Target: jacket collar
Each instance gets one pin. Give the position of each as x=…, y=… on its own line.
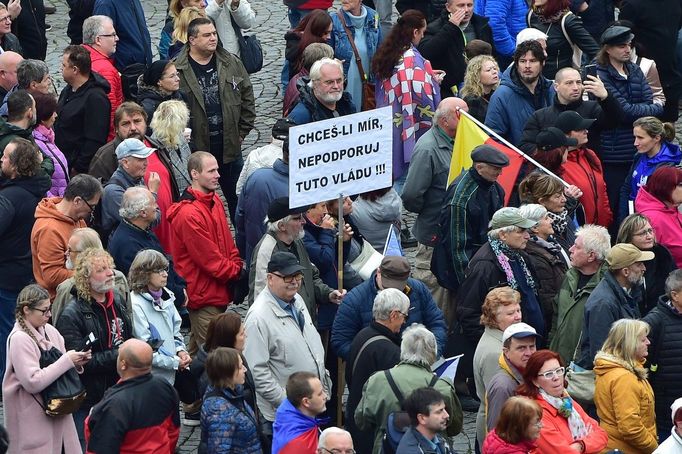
x=381, y=329
x=510, y=369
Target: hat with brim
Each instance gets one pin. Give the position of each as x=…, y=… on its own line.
x=519, y=331
x=133, y=148
x=623, y=255
x=616, y=34
x=552, y=138
x=508, y=216
x=279, y=209
x=284, y=263
x=571, y=120
x=395, y=271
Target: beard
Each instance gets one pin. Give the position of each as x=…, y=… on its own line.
x=102, y=287
x=636, y=280
x=330, y=97
x=528, y=79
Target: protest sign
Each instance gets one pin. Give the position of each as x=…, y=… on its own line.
x=346, y=155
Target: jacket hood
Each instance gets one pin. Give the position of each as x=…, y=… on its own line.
x=190, y=196
x=665, y=305
x=605, y=363
x=387, y=210
x=510, y=369
x=145, y=91
x=647, y=202
x=510, y=78
x=7, y=129
x=95, y=81
x=47, y=208
x=36, y=185
x=669, y=152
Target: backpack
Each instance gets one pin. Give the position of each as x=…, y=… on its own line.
x=397, y=422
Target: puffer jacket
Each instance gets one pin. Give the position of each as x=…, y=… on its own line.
x=104, y=66
x=625, y=405
x=584, y=170
x=559, y=49
x=512, y=104
x=495, y=445
x=507, y=19
x=666, y=222
x=228, y=423
x=149, y=97
x=44, y=138
x=636, y=99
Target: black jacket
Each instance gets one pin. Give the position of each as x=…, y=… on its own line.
x=607, y=112
x=150, y=97
x=18, y=201
x=664, y=360
x=443, y=45
x=78, y=320
x=82, y=124
x=309, y=109
x=29, y=27
x=657, y=271
x=11, y=42
x=79, y=10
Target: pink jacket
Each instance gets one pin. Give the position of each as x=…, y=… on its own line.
x=666, y=222
x=30, y=430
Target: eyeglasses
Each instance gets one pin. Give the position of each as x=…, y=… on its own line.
x=161, y=270
x=404, y=314
x=550, y=374
x=92, y=208
x=648, y=231
x=290, y=279
x=332, y=82
x=110, y=35
x=43, y=311
x=6, y=19
x=337, y=451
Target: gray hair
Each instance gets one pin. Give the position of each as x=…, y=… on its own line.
x=322, y=442
x=87, y=238
x=316, y=69
x=93, y=26
x=273, y=227
x=389, y=300
x=673, y=283
x=418, y=345
x=495, y=233
x=31, y=70
x=314, y=52
x=529, y=34
x=595, y=238
x=443, y=110
x=135, y=200
x=533, y=212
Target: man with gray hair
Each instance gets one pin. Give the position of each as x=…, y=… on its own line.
x=376, y=347
x=417, y=354
x=100, y=38
x=312, y=53
x=335, y=440
x=592, y=243
x=323, y=98
x=32, y=76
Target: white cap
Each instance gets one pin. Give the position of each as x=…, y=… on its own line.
x=519, y=331
x=675, y=407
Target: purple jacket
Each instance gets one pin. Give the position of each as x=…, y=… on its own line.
x=44, y=138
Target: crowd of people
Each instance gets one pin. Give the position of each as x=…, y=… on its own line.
x=130, y=215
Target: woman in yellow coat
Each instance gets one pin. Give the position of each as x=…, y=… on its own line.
x=623, y=396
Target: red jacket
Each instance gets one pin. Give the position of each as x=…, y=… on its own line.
x=555, y=436
x=203, y=248
x=310, y=4
x=666, y=222
x=104, y=66
x=493, y=444
x=583, y=169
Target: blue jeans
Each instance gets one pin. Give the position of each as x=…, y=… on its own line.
x=79, y=419
x=229, y=174
x=295, y=16
x=8, y=302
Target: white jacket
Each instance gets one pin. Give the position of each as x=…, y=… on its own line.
x=243, y=16
x=276, y=348
x=671, y=445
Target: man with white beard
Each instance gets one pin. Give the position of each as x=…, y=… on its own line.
x=617, y=296
x=323, y=98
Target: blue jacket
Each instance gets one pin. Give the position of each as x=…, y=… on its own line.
x=507, y=19
x=341, y=45
x=511, y=105
x=262, y=187
x=356, y=313
x=636, y=100
x=414, y=442
x=135, y=44
x=228, y=423
x=293, y=427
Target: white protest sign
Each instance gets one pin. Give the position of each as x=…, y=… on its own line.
x=346, y=155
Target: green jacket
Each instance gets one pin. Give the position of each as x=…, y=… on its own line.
x=569, y=312
x=236, y=99
x=378, y=400
x=8, y=132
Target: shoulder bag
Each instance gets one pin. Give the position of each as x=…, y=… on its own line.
x=580, y=381
x=368, y=100
x=250, y=50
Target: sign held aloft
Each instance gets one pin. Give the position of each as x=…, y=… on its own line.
x=346, y=155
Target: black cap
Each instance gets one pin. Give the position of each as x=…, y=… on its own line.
x=279, y=209
x=552, y=138
x=280, y=130
x=489, y=155
x=571, y=120
x=284, y=263
x=616, y=34
x=153, y=74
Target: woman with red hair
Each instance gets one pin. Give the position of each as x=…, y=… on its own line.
x=566, y=428
x=316, y=27
x=659, y=200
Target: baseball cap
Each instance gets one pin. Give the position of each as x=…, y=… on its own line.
x=571, y=120
x=519, y=331
x=508, y=216
x=132, y=148
x=279, y=209
x=280, y=130
x=552, y=138
x=395, y=270
x=625, y=254
x=284, y=263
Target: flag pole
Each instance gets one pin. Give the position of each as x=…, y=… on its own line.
x=509, y=145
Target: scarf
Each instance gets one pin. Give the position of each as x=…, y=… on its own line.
x=156, y=296
x=556, y=17
x=559, y=221
x=504, y=254
x=564, y=406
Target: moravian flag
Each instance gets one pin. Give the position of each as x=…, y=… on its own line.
x=469, y=136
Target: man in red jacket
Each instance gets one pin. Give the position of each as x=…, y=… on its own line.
x=204, y=250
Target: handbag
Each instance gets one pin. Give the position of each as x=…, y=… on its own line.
x=580, y=381
x=250, y=50
x=187, y=385
x=368, y=260
x=577, y=52
x=368, y=100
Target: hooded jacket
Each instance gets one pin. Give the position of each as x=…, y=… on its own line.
x=625, y=405
x=642, y=168
x=83, y=121
x=507, y=19
x=104, y=66
x=44, y=138
x=512, y=104
x=584, y=170
x=149, y=97
x=500, y=388
x=228, y=423
x=204, y=251
x=49, y=240
x=19, y=198
x=374, y=218
x=666, y=222
x=495, y=445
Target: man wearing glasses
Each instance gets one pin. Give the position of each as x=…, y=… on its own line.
x=55, y=220
x=335, y=441
x=282, y=338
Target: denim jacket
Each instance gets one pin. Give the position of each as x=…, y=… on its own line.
x=341, y=45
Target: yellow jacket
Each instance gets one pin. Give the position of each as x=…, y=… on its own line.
x=625, y=405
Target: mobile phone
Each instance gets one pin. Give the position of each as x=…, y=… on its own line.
x=589, y=70
x=88, y=342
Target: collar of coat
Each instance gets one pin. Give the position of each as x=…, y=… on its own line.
x=639, y=371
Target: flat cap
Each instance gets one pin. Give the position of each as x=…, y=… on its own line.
x=280, y=129
x=616, y=34
x=489, y=155
x=508, y=216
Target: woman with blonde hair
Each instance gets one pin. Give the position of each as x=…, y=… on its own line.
x=168, y=124
x=481, y=79
x=517, y=428
x=622, y=394
x=175, y=7
x=501, y=308
x=30, y=428
x=180, y=28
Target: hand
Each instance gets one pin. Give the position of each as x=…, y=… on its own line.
x=328, y=222
x=14, y=8
x=79, y=358
x=576, y=446
x=583, y=6
x=347, y=232
x=457, y=17
x=573, y=192
x=184, y=290
x=336, y=296
x=438, y=75
x=154, y=182
x=594, y=86
x=185, y=360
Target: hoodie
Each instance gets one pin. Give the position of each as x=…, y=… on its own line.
x=49, y=240
x=644, y=166
x=666, y=222
x=149, y=97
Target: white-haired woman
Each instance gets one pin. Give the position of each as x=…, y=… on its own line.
x=622, y=394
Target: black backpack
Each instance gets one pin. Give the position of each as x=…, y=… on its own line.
x=397, y=422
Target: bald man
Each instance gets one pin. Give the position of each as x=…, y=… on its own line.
x=8, y=71
x=139, y=413
x=425, y=188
